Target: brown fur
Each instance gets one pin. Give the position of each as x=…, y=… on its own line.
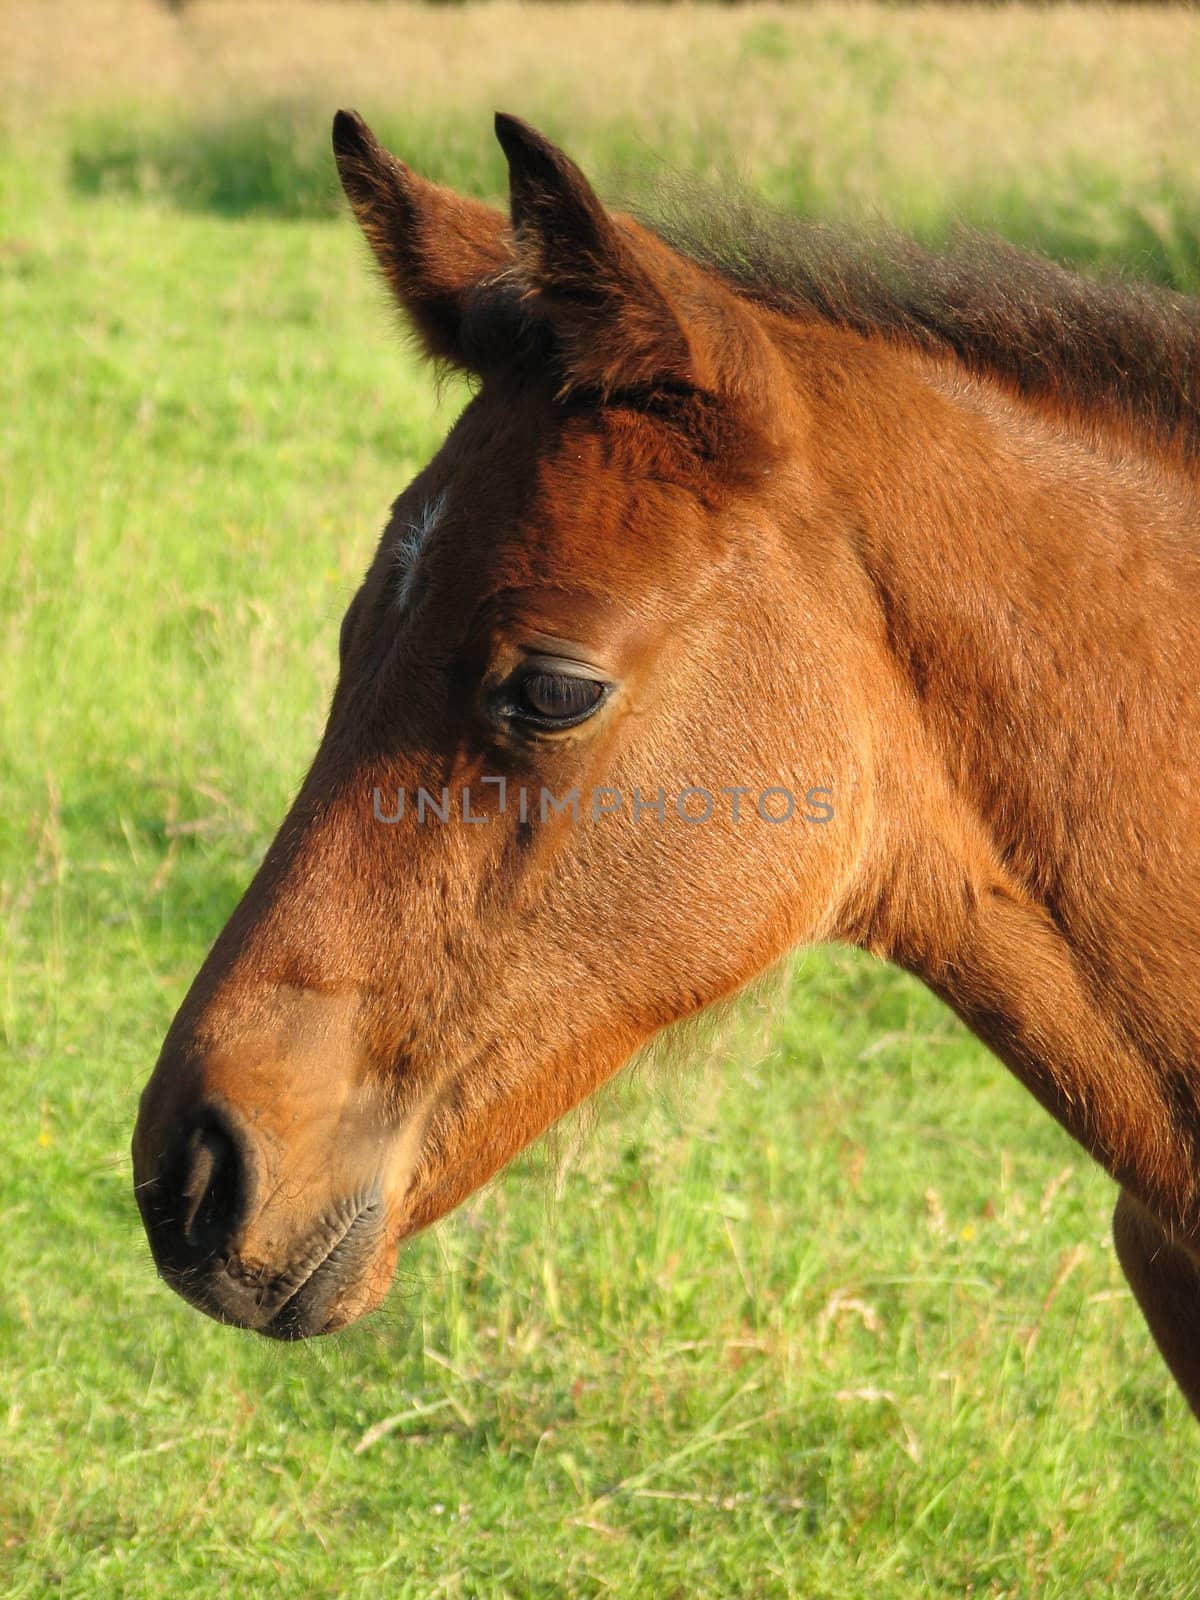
x=921, y=531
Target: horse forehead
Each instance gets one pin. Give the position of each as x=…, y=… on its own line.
x=551, y=503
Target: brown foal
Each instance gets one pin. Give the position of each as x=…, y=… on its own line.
x=771, y=588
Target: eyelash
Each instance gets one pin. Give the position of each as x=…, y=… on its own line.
x=515, y=704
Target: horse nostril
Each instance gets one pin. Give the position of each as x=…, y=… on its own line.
x=212, y=1193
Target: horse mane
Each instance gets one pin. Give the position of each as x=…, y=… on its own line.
x=1107, y=346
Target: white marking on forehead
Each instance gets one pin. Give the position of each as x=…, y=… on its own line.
x=414, y=536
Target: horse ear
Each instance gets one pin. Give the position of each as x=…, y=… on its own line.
x=433, y=245
x=604, y=282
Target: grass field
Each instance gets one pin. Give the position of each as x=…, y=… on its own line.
x=837, y=1314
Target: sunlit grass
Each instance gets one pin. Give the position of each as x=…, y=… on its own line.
x=837, y=1316
x=1067, y=128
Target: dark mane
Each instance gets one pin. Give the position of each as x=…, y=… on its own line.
x=1108, y=346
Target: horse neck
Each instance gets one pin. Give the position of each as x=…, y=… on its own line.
x=1033, y=570
x=1037, y=582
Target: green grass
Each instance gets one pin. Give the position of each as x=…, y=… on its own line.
x=837, y=1317
x=272, y=159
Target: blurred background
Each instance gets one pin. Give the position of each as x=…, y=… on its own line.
x=827, y=1309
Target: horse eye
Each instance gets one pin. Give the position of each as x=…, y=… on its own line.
x=557, y=699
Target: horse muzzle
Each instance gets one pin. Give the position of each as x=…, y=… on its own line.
x=269, y=1179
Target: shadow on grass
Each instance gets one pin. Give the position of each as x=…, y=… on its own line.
x=274, y=159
